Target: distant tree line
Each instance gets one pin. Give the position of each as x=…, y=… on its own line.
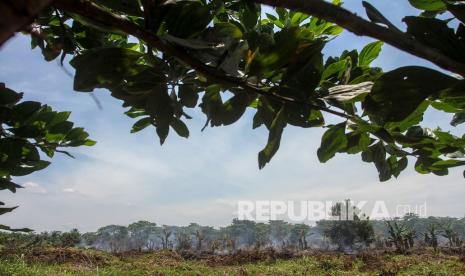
x=400, y=234
x=18, y=240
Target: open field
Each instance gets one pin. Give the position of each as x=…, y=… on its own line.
x=53, y=261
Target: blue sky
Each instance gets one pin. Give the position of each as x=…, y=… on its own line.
x=127, y=177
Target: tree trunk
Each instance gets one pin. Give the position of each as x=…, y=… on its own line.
x=15, y=15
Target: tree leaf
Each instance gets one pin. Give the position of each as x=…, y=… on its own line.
x=305, y=69
x=459, y=118
x=428, y=5
x=188, y=95
x=180, y=127
x=274, y=139
x=187, y=18
x=333, y=140
x=357, y=142
x=7, y=184
x=103, y=68
x=212, y=105
x=398, y=93
x=7, y=228
x=141, y=124
x=377, y=17
x=336, y=68
x=4, y=210
x=369, y=53
x=458, y=10
x=437, y=34
x=448, y=163
x=159, y=106
x=234, y=108
x=8, y=96
x=264, y=115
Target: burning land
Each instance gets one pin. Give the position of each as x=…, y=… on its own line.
x=406, y=246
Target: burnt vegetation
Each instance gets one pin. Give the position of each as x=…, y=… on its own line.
x=401, y=235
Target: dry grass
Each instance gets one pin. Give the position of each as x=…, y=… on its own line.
x=55, y=261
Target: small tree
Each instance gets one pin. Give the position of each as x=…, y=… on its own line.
x=183, y=240
x=400, y=235
x=279, y=231
x=165, y=237
x=261, y=233
x=431, y=236
x=71, y=238
x=346, y=233
x=299, y=234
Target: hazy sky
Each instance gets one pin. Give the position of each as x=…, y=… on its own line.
x=127, y=177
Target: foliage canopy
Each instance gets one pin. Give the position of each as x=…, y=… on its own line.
x=162, y=58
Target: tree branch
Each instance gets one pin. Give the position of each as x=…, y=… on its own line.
x=94, y=12
x=362, y=27
x=16, y=14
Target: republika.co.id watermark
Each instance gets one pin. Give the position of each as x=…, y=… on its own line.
x=299, y=211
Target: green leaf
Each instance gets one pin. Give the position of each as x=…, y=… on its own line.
x=448, y=163
x=30, y=168
x=141, y=124
x=369, y=53
x=458, y=10
x=8, y=96
x=135, y=112
x=264, y=115
x=436, y=34
x=26, y=109
x=77, y=133
x=29, y=131
x=304, y=71
x=274, y=139
x=188, y=95
x=234, y=108
x=398, y=93
x=303, y=116
x=103, y=68
x=180, y=127
x=377, y=17
x=298, y=18
x=227, y=30
x=386, y=168
x=275, y=20
x=61, y=128
x=413, y=119
x=159, y=105
x=59, y=117
x=250, y=15
x=7, y=184
x=212, y=105
x=336, y=68
x=278, y=55
x=357, y=142
x=186, y=19
x=89, y=143
x=5, y=210
x=452, y=99
x=459, y=118
x=7, y=228
x=428, y=5
x=333, y=140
